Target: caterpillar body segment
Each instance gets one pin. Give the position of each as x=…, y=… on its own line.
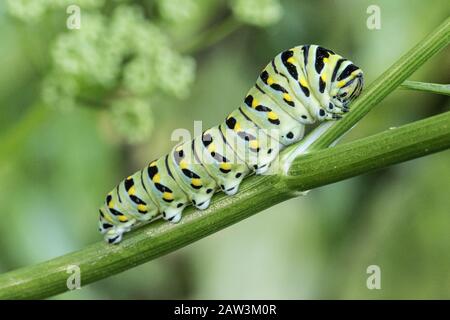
x=141, y=202
x=170, y=198
x=191, y=175
x=262, y=110
x=300, y=86
x=285, y=91
x=220, y=160
x=256, y=147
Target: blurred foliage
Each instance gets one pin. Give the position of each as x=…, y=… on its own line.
x=258, y=12
x=81, y=109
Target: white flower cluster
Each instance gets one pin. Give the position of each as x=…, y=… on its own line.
x=88, y=55
x=101, y=50
x=125, y=52
x=261, y=13
x=178, y=11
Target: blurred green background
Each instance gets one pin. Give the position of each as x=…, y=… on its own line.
x=81, y=109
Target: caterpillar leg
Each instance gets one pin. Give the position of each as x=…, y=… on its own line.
x=203, y=205
x=262, y=169
x=112, y=231
x=114, y=235
x=173, y=216
x=332, y=116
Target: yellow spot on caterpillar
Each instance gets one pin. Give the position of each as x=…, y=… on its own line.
x=237, y=127
x=270, y=81
x=303, y=82
x=211, y=148
x=123, y=219
x=132, y=191
x=196, y=182
x=142, y=207
x=253, y=144
x=129, y=178
x=111, y=204
x=225, y=166
x=325, y=60
x=156, y=178
x=152, y=164
x=272, y=115
x=167, y=196
x=254, y=103
x=183, y=164
x=355, y=73
x=287, y=97
x=341, y=83
x=324, y=77
x=291, y=60
x=178, y=148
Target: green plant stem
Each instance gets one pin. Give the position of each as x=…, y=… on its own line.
x=427, y=87
x=316, y=169
x=391, y=146
x=212, y=35
x=386, y=83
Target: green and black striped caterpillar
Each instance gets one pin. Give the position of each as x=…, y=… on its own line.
x=299, y=86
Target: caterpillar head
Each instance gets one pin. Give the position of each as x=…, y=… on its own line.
x=348, y=85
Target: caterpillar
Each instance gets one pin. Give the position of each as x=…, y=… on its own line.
x=300, y=86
